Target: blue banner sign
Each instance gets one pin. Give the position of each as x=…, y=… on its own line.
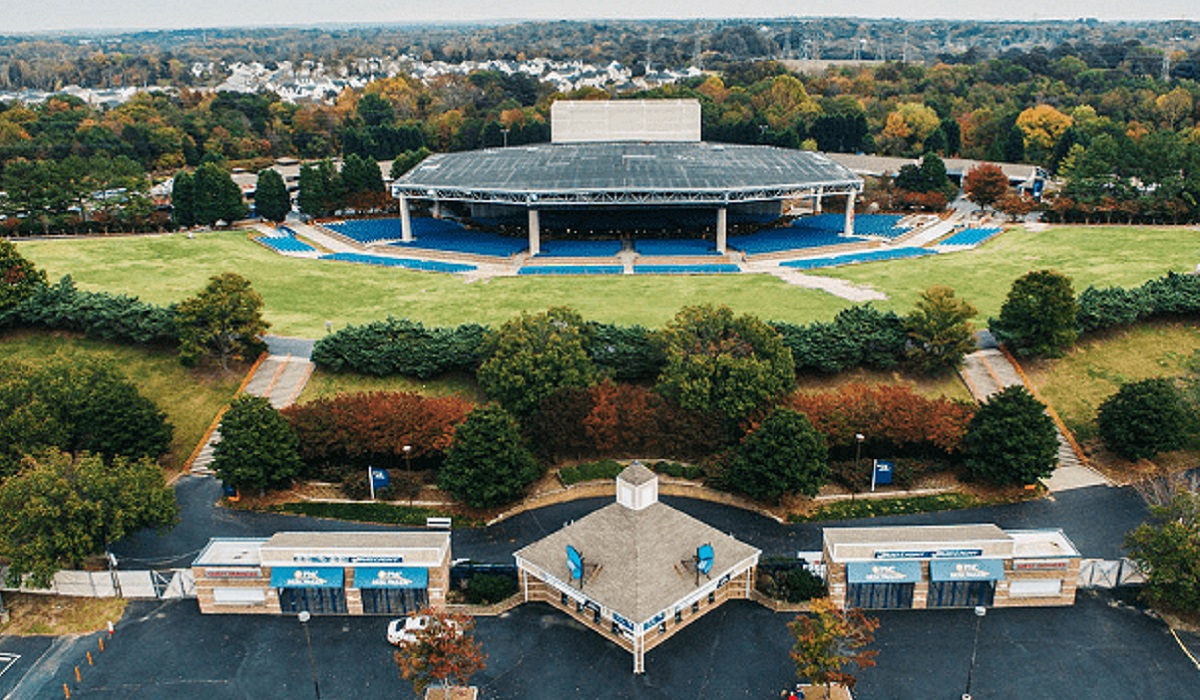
x=652, y=622
x=622, y=622
x=347, y=559
x=380, y=478
x=307, y=577
x=891, y=572
x=926, y=553
x=966, y=570
x=883, y=472
x=394, y=577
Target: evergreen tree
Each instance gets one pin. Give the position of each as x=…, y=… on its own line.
x=488, y=465
x=1011, y=440
x=183, y=199
x=258, y=448
x=19, y=278
x=1038, y=317
x=224, y=320
x=217, y=196
x=785, y=454
x=271, y=198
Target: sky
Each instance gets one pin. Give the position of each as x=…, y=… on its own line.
x=21, y=16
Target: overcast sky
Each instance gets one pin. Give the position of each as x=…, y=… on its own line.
x=39, y=15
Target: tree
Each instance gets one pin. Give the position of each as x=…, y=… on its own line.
x=829, y=640
x=939, y=328
x=258, y=448
x=224, y=320
x=183, y=199
x=271, y=198
x=59, y=510
x=785, y=454
x=1167, y=548
x=532, y=356
x=1011, y=440
x=320, y=189
x=716, y=361
x=1144, y=418
x=1038, y=316
x=1041, y=127
x=217, y=196
x=488, y=465
x=19, y=278
x=985, y=184
x=444, y=652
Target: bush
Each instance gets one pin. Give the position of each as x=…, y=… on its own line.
x=485, y=589
x=100, y=315
x=1144, y=418
x=488, y=465
x=258, y=449
x=625, y=352
x=1038, y=317
x=785, y=454
x=383, y=513
x=677, y=470
x=880, y=507
x=860, y=336
x=1107, y=307
x=590, y=471
x=1173, y=294
x=401, y=347
x=1011, y=440
x=792, y=583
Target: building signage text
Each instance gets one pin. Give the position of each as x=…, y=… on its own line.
x=233, y=573
x=927, y=553
x=1041, y=564
x=347, y=559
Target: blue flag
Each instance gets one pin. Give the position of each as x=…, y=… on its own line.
x=380, y=478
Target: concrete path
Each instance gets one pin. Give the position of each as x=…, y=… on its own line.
x=279, y=379
x=322, y=239
x=988, y=371
x=839, y=288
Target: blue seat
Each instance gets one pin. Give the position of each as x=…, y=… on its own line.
x=572, y=270
x=973, y=236
x=667, y=247
x=685, y=269
x=285, y=244
x=580, y=249
x=850, y=258
x=408, y=264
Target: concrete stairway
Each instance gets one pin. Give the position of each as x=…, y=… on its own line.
x=279, y=379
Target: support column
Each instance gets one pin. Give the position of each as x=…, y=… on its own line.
x=850, y=213
x=405, y=221
x=817, y=198
x=535, y=232
x=436, y=209
x=721, y=218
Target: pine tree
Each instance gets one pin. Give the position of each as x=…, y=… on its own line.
x=271, y=199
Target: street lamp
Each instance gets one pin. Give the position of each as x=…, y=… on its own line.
x=505, y=133
x=304, y=617
x=407, y=459
x=980, y=611
x=858, y=441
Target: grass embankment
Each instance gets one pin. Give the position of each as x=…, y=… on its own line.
x=382, y=513
x=190, y=397
x=301, y=295
x=58, y=615
x=879, y=507
x=326, y=384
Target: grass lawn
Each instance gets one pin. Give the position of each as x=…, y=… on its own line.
x=324, y=383
x=1103, y=256
x=1095, y=368
x=191, y=398
x=59, y=615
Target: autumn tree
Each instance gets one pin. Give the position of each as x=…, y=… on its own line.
x=1038, y=317
x=785, y=454
x=939, y=328
x=271, y=198
x=532, y=356
x=828, y=640
x=716, y=361
x=1167, y=548
x=258, y=448
x=19, y=277
x=59, y=510
x=444, y=652
x=223, y=321
x=1041, y=127
x=488, y=465
x=985, y=184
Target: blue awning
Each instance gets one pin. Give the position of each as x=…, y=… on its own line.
x=892, y=571
x=307, y=577
x=391, y=577
x=966, y=569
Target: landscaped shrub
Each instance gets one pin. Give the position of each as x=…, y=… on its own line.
x=556, y=430
x=906, y=471
x=384, y=513
x=624, y=420
x=606, y=469
x=488, y=465
x=98, y=314
x=790, y=582
x=677, y=470
x=860, y=336
x=1145, y=418
x=880, y=507
x=1173, y=294
x=894, y=419
x=371, y=429
x=625, y=352
x=1107, y=307
x=485, y=589
x=1011, y=440
x=400, y=347
x=1038, y=317
x=783, y=455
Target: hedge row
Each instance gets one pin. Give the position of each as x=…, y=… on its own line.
x=860, y=336
x=1108, y=307
x=400, y=346
x=100, y=315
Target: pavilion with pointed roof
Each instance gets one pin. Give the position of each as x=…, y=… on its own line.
x=637, y=570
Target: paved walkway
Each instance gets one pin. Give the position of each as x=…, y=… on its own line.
x=279, y=378
x=988, y=371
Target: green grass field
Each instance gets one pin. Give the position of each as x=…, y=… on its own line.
x=190, y=398
x=301, y=295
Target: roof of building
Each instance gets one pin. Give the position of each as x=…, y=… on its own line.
x=877, y=166
x=625, y=173
x=636, y=474
x=639, y=555
x=914, y=536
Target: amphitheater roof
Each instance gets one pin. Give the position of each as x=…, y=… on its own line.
x=625, y=173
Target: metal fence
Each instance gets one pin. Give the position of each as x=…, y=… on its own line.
x=1109, y=573
x=149, y=584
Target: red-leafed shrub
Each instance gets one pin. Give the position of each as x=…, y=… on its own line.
x=373, y=428
x=890, y=416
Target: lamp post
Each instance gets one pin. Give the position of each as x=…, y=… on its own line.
x=504, y=132
x=980, y=611
x=858, y=441
x=407, y=459
x=304, y=617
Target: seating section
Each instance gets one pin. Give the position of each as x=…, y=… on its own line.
x=684, y=269
x=818, y=231
x=973, y=236
x=369, y=230
x=579, y=249
x=851, y=258
x=572, y=270
x=286, y=243
x=385, y=261
x=653, y=247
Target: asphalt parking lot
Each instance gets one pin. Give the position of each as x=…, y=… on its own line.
x=1096, y=649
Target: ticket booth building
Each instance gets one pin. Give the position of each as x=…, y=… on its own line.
x=949, y=566
x=324, y=573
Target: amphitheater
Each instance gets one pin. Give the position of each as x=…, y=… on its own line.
x=626, y=188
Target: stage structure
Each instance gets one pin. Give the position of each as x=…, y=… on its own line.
x=626, y=155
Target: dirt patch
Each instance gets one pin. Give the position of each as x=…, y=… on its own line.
x=59, y=615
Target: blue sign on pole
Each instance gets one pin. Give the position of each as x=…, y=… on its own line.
x=380, y=478
x=883, y=473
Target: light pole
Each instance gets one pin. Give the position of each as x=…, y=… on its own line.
x=980, y=611
x=504, y=132
x=304, y=617
x=407, y=459
x=858, y=441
